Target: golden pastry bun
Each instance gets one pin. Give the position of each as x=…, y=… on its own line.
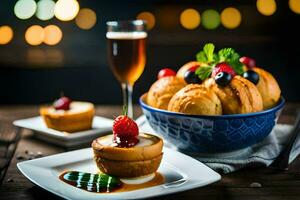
x=187, y=66
x=239, y=96
x=268, y=88
x=197, y=100
x=163, y=90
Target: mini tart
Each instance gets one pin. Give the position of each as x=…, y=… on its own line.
x=268, y=88
x=142, y=159
x=78, y=118
x=239, y=96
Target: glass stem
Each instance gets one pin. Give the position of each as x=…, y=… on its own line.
x=127, y=98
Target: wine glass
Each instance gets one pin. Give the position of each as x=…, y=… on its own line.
x=126, y=42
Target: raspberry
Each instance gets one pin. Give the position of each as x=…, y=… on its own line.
x=63, y=103
x=249, y=62
x=125, y=131
x=194, y=68
x=166, y=72
x=223, y=67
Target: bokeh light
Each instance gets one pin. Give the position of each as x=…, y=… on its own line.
x=190, y=18
x=45, y=9
x=86, y=18
x=24, y=9
x=168, y=17
x=210, y=19
x=66, y=10
x=6, y=34
x=266, y=7
x=34, y=35
x=295, y=6
x=52, y=35
x=148, y=17
x=231, y=18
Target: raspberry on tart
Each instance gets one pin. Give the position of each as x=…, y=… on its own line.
x=65, y=115
x=125, y=131
x=63, y=103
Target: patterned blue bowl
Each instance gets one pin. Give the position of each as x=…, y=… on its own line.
x=210, y=134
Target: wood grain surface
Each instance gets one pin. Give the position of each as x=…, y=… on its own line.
x=238, y=185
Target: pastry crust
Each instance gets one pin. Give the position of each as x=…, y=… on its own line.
x=73, y=120
x=268, y=88
x=240, y=96
x=197, y=100
x=128, y=168
x=136, y=153
x=163, y=90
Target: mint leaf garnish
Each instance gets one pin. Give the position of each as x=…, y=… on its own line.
x=204, y=72
x=237, y=66
x=231, y=57
x=225, y=54
x=207, y=54
x=201, y=57
x=209, y=51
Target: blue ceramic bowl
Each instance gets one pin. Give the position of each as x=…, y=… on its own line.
x=209, y=134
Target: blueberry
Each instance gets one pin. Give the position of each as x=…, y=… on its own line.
x=191, y=77
x=251, y=76
x=223, y=79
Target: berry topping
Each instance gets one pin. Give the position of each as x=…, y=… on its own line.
x=251, y=76
x=223, y=78
x=191, y=77
x=63, y=103
x=249, y=62
x=125, y=131
x=166, y=72
x=193, y=68
x=223, y=67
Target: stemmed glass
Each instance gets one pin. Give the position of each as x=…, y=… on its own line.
x=127, y=54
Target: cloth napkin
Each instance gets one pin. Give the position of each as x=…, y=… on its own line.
x=261, y=154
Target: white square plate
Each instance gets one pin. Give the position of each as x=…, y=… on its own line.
x=181, y=173
x=100, y=127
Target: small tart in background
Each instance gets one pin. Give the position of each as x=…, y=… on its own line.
x=142, y=159
x=78, y=118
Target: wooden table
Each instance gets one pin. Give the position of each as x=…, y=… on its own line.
x=279, y=185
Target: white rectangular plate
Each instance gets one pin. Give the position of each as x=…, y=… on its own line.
x=100, y=127
x=176, y=167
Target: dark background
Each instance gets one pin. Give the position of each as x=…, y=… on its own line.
x=78, y=66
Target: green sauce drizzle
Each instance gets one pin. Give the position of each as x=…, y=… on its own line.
x=91, y=182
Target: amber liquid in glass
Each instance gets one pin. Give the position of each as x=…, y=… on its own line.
x=126, y=55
